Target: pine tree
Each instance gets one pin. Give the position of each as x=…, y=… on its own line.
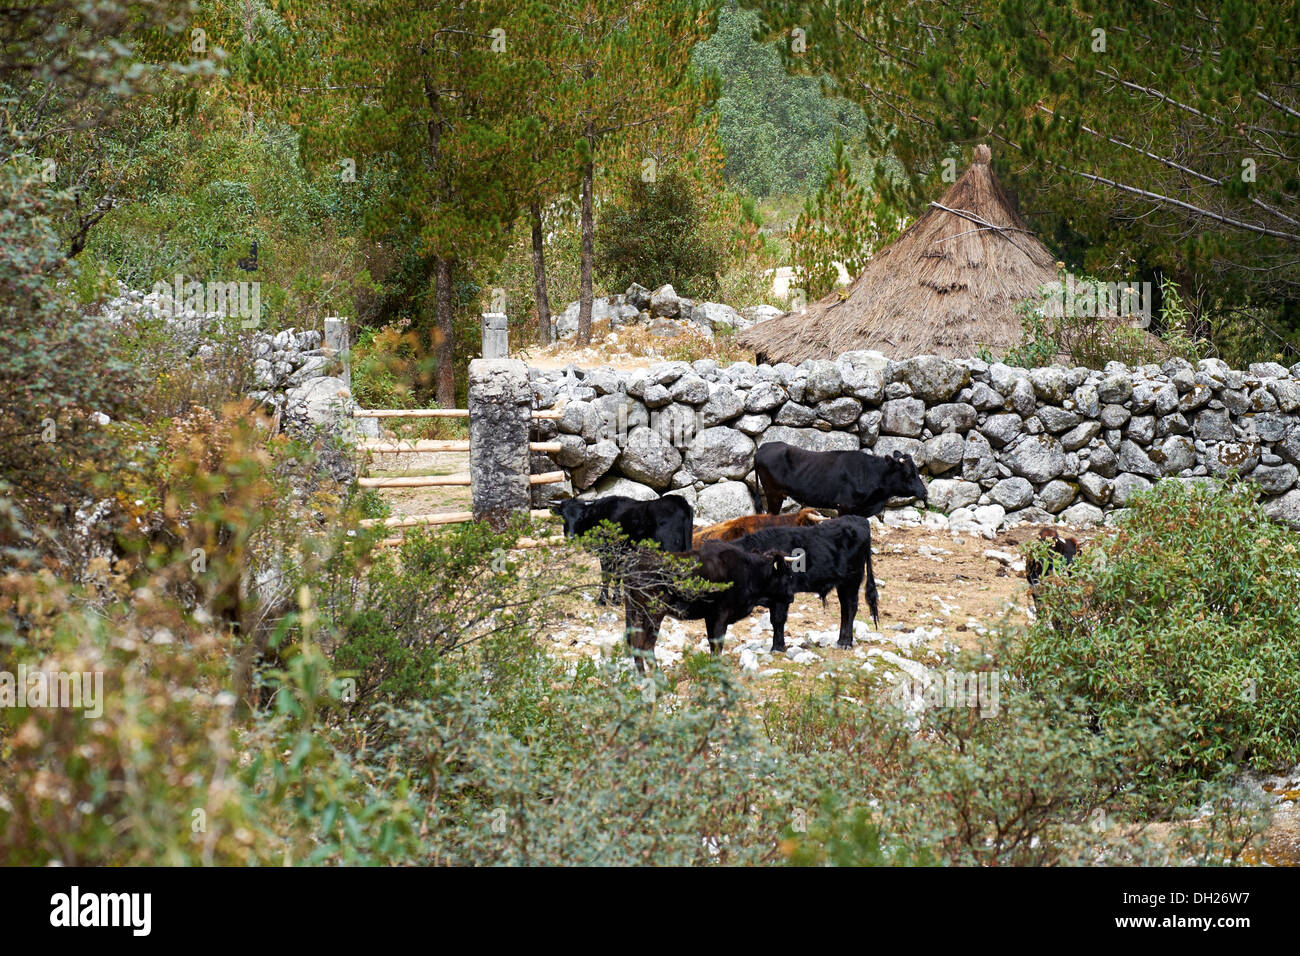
x=431, y=92
x=838, y=224
x=1150, y=136
x=623, y=66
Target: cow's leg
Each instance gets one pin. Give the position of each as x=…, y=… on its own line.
x=716, y=627
x=780, y=610
x=848, y=595
x=642, y=633
x=633, y=625
x=603, y=597
x=769, y=491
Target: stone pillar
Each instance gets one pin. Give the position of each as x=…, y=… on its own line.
x=495, y=342
x=336, y=341
x=500, y=413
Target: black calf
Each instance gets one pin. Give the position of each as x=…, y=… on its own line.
x=834, y=554
x=655, y=588
x=667, y=520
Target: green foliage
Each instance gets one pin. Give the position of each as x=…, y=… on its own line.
x=954, y=785
x=1137, y=131
x=777, y=130
x=1189, y=608
x=655, y=233
x=439, y=591
x=202, y=201
x=1051, y=336
x=605, y=773
x=58, y=368
x=72, y=76
x=839, y=224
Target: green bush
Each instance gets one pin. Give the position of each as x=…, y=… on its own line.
x=1031, y=785
x=656, y=233
x=1091, y=341
x=1188, y=607
x=58, y=370
x=442, y=590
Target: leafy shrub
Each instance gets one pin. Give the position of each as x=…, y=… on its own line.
x=1188, y=607
x=1030, y=785
x=1092, y=341
x=59, y=372
x=655, y=233
x=441, y=590
x=217, y=373
x=605, y=773
x=838, y=224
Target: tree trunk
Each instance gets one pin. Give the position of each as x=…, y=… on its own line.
x=588, y=243
x=539, y=276
x=445, y=335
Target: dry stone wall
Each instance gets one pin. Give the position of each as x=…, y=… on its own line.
x=998, y=445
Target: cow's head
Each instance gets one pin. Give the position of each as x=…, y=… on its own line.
x=776, y=574
x=902, y=479
x=571, y=510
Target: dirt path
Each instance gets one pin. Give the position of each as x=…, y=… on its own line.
x=419, y=501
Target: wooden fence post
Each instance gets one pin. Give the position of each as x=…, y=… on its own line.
x=500, y=411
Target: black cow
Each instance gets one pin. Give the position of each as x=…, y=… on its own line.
x=655, y=586
x=1061, y=556
x=834, y=554
x=667, y=520
x=853, y=482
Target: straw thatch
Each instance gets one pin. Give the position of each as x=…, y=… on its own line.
x=949, y=284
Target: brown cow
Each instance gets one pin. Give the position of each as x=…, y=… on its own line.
x=739, y=527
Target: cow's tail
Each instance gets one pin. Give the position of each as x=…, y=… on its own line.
x=873, y=599
x=762, y=480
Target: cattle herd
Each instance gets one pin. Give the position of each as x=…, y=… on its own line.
x=758, y=561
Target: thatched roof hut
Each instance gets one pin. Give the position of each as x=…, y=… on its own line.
x=949, y=284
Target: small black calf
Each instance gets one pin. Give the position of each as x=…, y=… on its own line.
x=656, y=586
x=834, y=554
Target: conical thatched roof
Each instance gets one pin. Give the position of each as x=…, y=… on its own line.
x=949, y=284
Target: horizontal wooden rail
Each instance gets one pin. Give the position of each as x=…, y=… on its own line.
x=447, y=517
x=435, y=481
x=550, y=414
x=410, y=413
x=414, y=481
x=520, y=545
x=429, y=445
